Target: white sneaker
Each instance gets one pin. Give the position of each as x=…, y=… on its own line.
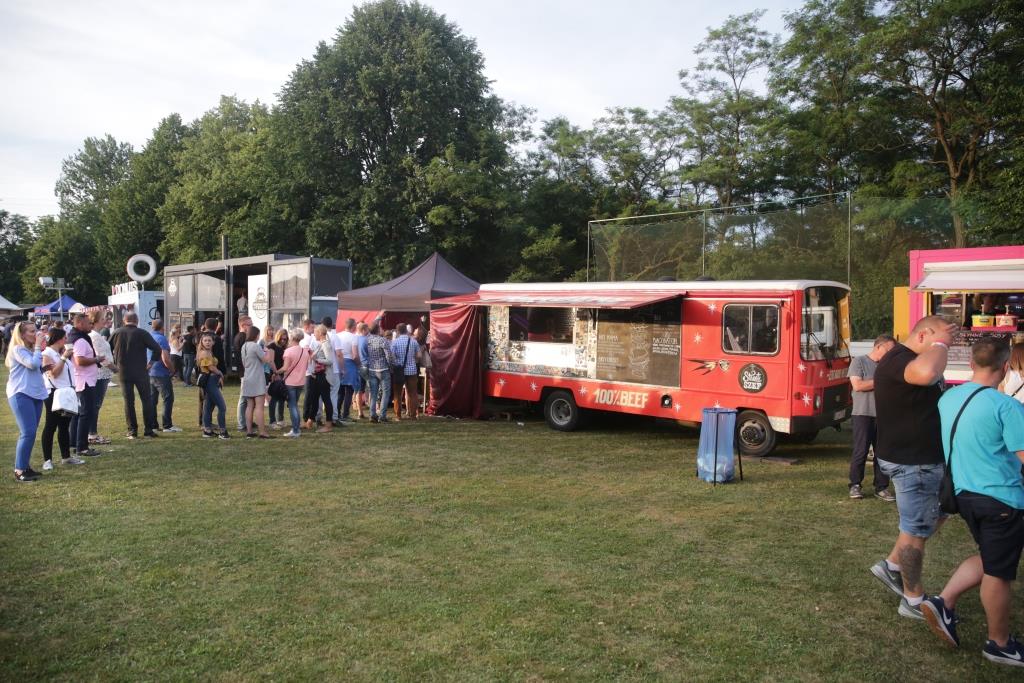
x=276, y=426
x=72, y=461
x=172, y=429
x=292, y=435
x=47, y=465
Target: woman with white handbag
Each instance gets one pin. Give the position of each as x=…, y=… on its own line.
x=59, y=378
x=25, y=394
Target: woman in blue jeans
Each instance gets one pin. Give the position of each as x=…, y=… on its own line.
x=211, y=379
x=25, y=393
x=294, y=362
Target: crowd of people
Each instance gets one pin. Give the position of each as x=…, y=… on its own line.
x=63, y=372
x=920, y=431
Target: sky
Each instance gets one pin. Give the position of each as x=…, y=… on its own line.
x=71, y=70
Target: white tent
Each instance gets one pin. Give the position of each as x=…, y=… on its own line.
x=7, y=307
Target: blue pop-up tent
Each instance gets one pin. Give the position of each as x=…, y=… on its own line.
x=62, y=304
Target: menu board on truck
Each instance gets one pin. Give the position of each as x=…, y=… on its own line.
x=640, y=352
x=960, y=349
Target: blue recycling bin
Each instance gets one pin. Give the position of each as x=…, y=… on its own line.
x=716, y=458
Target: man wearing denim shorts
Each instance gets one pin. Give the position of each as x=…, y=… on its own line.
x=909, y=451
x=985, y=455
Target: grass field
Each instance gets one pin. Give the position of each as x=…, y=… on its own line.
x=456, y=550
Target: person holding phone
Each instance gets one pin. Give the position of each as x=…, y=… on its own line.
x=57, y=359
x=25, y=394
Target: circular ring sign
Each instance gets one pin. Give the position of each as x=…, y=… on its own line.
x=150, y=264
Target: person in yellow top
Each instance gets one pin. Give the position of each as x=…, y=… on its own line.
x=211, y=380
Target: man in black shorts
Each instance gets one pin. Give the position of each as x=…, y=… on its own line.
x=985, y=455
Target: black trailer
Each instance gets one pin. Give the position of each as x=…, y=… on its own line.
x=293, y=288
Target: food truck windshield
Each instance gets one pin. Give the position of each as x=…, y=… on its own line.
x=825, y=323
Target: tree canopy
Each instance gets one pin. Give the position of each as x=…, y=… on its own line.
x=389, y=142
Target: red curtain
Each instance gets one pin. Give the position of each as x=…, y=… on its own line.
x=456, y=353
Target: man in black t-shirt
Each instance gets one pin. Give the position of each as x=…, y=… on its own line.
x=188, y=355
x=130, y=345
x=909, y=451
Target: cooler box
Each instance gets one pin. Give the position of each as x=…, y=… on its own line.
x=716, y=461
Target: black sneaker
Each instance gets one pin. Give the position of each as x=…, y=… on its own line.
x=208, y=435
x=26, y=476
x=1012, y=654
x=251, y=435
x=892, y=580
x=149, y=435
x=941, y=621
x=224, y=436
x=89, y=453
x=32, y=473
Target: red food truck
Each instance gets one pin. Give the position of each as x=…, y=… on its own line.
x=776, y=351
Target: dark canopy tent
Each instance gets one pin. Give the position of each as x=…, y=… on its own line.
x=405, y=297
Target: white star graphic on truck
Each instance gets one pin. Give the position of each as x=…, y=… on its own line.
x=806, y=399
x=712, y=307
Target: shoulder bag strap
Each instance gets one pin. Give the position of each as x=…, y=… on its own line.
x=952, y=431
x=406, y=356
x=1014, y=394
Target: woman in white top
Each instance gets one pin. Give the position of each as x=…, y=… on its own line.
x=175, y=341
x=1013, y=383
x=106, y=372
x=60, y=373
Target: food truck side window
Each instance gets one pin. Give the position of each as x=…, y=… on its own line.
x=750, y=329
x=536, y=324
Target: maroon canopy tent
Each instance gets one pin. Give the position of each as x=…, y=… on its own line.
x=405, y=298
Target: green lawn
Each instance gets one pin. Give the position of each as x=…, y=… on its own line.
x=456, y=550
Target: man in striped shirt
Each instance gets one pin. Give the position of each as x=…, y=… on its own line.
x=378, y=366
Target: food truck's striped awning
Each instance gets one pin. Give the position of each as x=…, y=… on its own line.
x=562, y=299
x=1003, y=275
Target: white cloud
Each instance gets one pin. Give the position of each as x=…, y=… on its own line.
x=72, y=70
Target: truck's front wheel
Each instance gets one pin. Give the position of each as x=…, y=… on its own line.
x=561, y=411
x=754, y=434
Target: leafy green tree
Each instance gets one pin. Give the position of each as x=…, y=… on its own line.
x=63, y=248
x=950, y=62
x=223, y=187
x=16, y=236
x=728, y=119
x=130, y=225
x=362, y=124
x=88, y=178
x=836, y=112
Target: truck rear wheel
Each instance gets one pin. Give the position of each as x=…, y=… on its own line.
x=561, y=411
x=754, y=433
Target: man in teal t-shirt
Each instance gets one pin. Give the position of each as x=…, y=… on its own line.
x=985, y=455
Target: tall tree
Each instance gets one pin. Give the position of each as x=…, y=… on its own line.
x=733, y=118
x=130, y=224
x=951, y=62
x=835, y=113
x=63, y=248
x=364, y=120
x=221, y=189
x=88, y=178
x=16, y=236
